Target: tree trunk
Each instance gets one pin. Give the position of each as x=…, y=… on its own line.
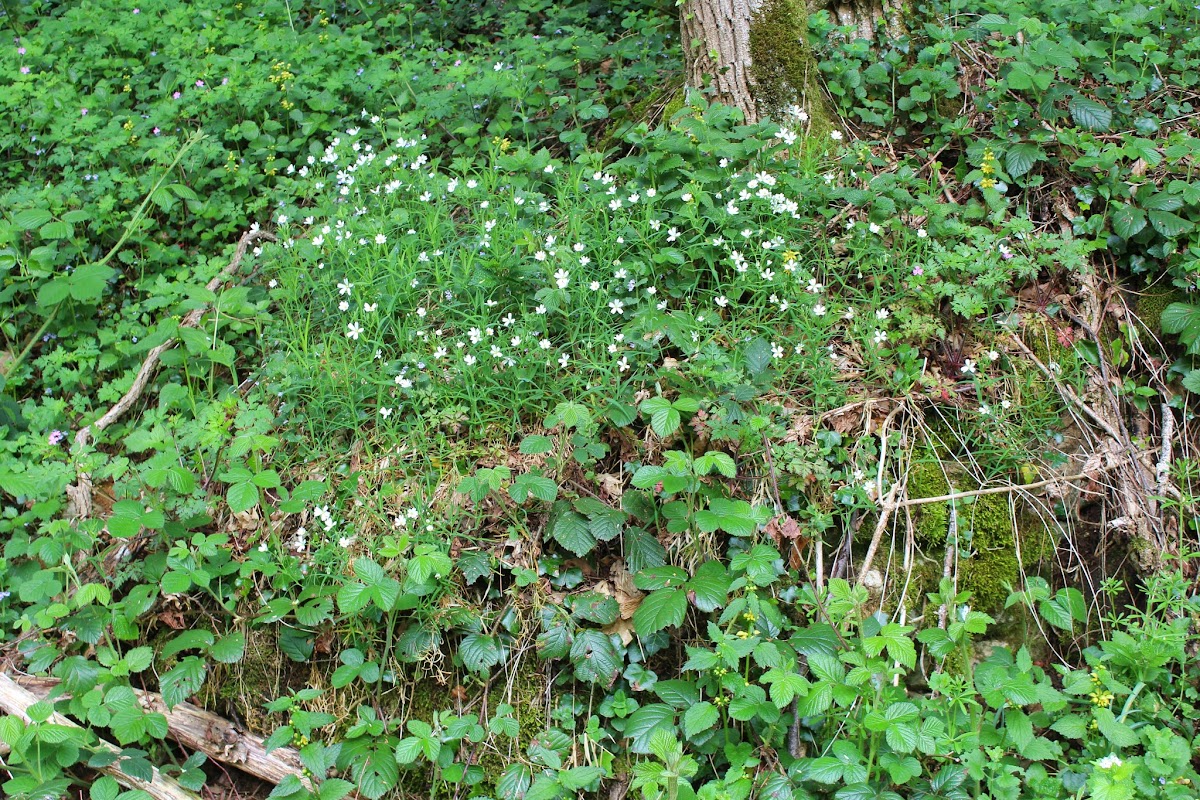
x=755, y=56
x=716, y=44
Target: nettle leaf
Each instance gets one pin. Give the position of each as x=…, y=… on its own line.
x=1090, y=114
x=1020, y=158
x=572, y=532
x=660, y=609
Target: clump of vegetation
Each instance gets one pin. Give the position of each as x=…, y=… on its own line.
x=525, y=448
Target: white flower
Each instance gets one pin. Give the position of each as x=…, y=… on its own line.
x=985, y=410
x=776, y=350
x=385, y=412
x=993, y=355
x=819, y=310
x=836, y=136
x=616, y=307
x=380, y=239
x=968, y=367
x=562, y=278
x=1108, y=762
x=922, y=233
x=880, y=337
x=353, y=331
x=370, y=307
x=722, y=301
x=345, y=287
x=874, y=228
x=686, y=197
x=882, y=314
x=563, y=359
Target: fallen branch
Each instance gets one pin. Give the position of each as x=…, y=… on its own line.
x=15, y=701
x=80, y=494
x=918, y=501
x=216, y=737
x=151, y=363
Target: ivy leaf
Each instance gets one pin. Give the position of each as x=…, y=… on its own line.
x=660, y=609
x=1090, y=114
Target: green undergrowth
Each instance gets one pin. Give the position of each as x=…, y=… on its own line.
x=535, y=453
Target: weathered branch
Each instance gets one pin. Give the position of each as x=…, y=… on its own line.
x=216, y=737
x=15, y=700
x=151, y=363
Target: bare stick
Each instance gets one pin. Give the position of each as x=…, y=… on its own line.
x=151, y=363
x=919, y=501
x=16, y=701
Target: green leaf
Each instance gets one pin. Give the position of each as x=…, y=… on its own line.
x=708, y=589
x=242, y=497
x=1117, y=733
x=699, y=718
x=31, y=218
x=1128, y=221
x=1168, y=224
x=229, y=649
x=595, y=658
x=758, y=356
x=1090, y=114
x=571, y=531
x=182, y=681
x=664, y=418
x=644, y=722
x=479, y=653
x=579, y=778
x=536, y=445
x=1020, y=158
x=595, y=607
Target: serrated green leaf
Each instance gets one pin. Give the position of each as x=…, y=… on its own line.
x=1090, y=114
x=229, y=649
x=699, y=718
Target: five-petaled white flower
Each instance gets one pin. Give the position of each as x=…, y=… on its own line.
x=353, y=331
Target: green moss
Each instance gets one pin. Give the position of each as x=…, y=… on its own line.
x=782, y=65
x=1150, y=306
x=931, y=520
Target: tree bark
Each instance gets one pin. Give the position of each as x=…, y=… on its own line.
x=716, y=43
x=720, y=38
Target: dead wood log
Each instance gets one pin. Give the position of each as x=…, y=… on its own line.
x=216, y=737
x=16, y=700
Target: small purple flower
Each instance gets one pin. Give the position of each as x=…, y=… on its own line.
x=177, y=95
x=5, y=595
x=156, y=130
x=918, y=271
x=24, y=70
x=137, y=11
x=83, y=112
x=56, y=437
x=20, y=51
x=199, y=84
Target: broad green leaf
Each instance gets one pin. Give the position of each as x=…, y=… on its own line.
x=699, y=718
